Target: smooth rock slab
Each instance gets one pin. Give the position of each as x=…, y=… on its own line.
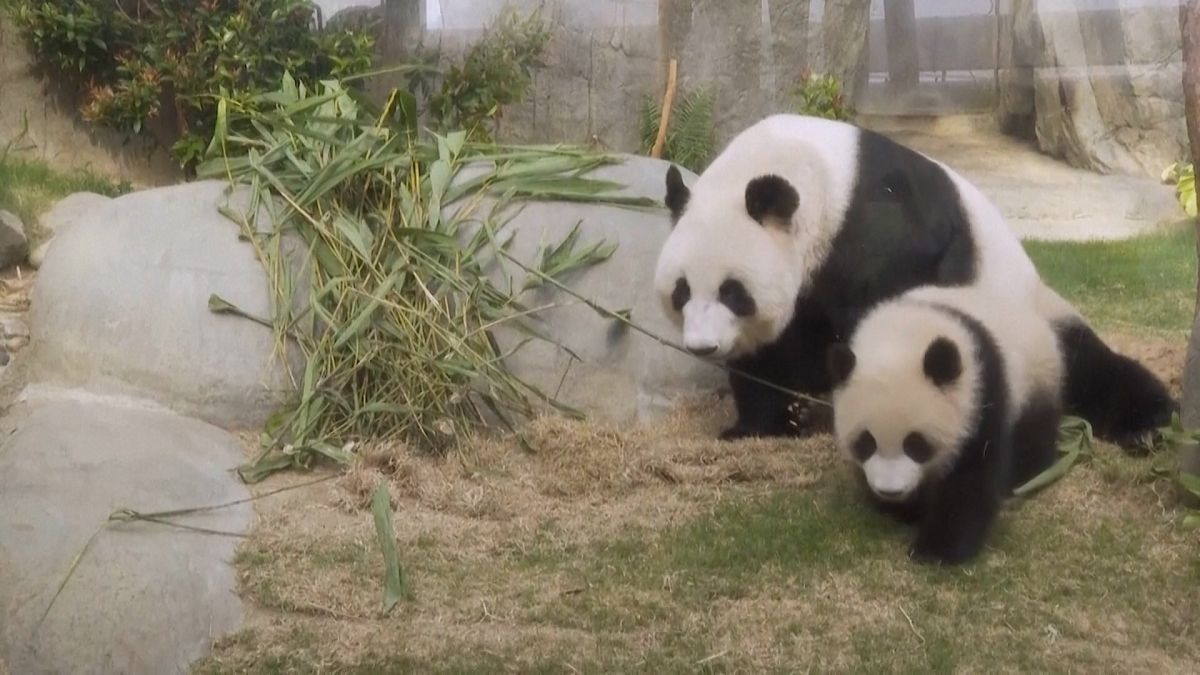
x=121, y=306
x=145, y=598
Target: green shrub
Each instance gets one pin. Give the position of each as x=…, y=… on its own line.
x=497, y=71
x=133, y=56
x=690, y=137
x=821, y=96
x=1183, y=176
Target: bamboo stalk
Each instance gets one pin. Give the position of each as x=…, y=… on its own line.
x=665, y=118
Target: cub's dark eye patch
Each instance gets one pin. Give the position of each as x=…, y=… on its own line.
x=863, y=447
x=733, y=295
x=918, y=448
x=681, y=294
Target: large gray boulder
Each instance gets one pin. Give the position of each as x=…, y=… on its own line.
x=121, y=306
x=145, y=598
x=622, y=375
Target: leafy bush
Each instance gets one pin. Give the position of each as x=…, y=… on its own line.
x=497, y=71
x=400, y=284
x=1183, y=176
x=135, y=55
x=821, y=96
x=690, y=137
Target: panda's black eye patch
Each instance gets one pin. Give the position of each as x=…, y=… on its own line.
x=863, y=447
x=681, y=294
x=918, y=448
x=733, y=295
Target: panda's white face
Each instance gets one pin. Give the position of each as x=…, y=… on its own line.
x=727, y=279
x=904, y=399
x=726, y=310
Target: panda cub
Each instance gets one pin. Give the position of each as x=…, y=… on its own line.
x=947, y=399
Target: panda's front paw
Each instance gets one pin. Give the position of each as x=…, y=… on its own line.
x=937, y=551
x=806, y=418
x=1140, y=443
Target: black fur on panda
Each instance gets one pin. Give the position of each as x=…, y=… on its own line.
x=946, y=400
x=802, y=225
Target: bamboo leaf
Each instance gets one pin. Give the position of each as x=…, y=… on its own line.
x=1075, y=441
x=1189, y=482
x=394, y=586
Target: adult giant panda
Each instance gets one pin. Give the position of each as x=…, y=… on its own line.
x=802, y=224
x=947, y=399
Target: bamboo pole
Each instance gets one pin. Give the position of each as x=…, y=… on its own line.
x=665, y=118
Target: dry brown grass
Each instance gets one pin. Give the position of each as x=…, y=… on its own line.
x=584, y=555
x=312, y=559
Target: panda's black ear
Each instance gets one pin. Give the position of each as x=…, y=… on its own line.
x=943, y=363
x=677, y=194
x=839, y=360
x=771, y=197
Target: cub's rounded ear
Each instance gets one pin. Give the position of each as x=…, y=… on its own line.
x=943, y=363
x=840, y=361
x=678, y=194
x=771, y=198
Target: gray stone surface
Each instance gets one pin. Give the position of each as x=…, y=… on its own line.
x=145, y=598
x=38, y=254
x=77, y=207
x=1106, y=89
x=121, y=306
x=13, y=245
x=64, y=214
x=624, y=375
x=605, y=58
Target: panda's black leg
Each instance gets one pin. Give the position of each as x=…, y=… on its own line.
x=958, y=517
x=796, y=363
x=761, y=410
x=1035, y=439
x=1123, y=401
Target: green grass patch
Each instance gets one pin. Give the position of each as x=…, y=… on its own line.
x=1146, y=283
x=842, y=578
x=28, y=187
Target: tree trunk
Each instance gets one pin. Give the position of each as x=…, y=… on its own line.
x=844, y=39
x=1189, y=24
x=766, y=74
x=900, y=23
x=789, y=33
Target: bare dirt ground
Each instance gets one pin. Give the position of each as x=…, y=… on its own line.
x=1041, y=197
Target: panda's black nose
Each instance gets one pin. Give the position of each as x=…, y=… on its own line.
x=703, y=351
